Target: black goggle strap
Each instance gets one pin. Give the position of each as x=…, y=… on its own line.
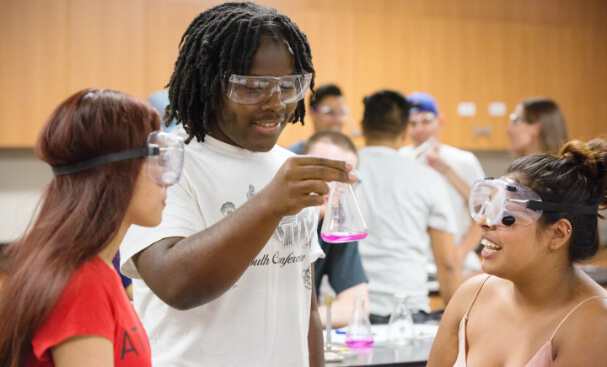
x=99, y=161
x=563, y=207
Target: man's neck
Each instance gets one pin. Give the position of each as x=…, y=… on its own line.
x=389, y=143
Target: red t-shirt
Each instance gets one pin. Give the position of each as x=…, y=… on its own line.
x=94, y=303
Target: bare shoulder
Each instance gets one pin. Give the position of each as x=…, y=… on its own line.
x=445, y=347
x=581, y=338
x=463, y=297
x=470, y=287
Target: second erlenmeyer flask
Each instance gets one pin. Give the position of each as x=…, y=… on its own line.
x=400, y=327
x=359, y=333
x=343, y=221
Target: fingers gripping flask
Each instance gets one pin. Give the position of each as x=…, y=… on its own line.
x=343, y=221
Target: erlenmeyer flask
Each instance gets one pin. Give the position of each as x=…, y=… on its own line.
x=343, y=221
x=400, y=328
x=359, y=334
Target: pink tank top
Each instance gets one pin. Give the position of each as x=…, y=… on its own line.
x=543, y=357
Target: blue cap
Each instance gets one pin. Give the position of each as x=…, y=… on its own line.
x=422, y=102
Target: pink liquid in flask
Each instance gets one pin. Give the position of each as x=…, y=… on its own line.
x=359, y=343
x=342, y=237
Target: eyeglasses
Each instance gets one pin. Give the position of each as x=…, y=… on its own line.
x=328, y=111
x=256, y=89
x=516, y=119
x=425, y=119
x=164, y=165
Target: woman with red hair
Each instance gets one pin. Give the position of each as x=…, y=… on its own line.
x=62, y=303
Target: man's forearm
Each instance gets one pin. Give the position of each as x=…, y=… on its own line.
x=449, y=279
x=189, y=272
x=315, y=338
x=470, y=242
x=458, y=183
x=315, y=341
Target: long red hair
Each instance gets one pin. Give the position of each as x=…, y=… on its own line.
x=78, y=214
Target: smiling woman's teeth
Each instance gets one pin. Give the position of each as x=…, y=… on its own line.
x=490, y=247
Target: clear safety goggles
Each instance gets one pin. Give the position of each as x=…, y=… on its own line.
x=256, y=89
x=164, y=164
x=326, y=110
x=506, y=202
x=423, y=118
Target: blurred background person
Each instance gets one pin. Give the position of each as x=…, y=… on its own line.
x=328, y=111
x=407, y=210
x=160, y=100
x=537, y=125
x=62, y=303
x=458, y=169
x=342, y=264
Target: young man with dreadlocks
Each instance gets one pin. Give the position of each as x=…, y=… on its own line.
x=216, y=286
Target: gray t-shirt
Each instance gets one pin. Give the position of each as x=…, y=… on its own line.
x=399, y=200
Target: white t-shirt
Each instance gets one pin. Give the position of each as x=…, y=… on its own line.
x=467, y=166
x=263, y=319
x=399, y=200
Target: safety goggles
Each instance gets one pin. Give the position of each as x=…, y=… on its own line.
x=256, y=89
x=507, y=203
x=164, y=164
x=424, y=118
x=328, y=111
x=515, y=119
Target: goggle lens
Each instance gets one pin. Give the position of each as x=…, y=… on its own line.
x=256, y=89
x=166, y=167
x=500, y=205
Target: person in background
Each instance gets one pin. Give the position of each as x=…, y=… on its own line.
x=62, y=303
x=537, y=125
x=160, y=100
x=535, y=308
x=407, y=210
x=341, y=264
x=328, y=111
x=127, y=283
x=457, y=168
x=227, y=277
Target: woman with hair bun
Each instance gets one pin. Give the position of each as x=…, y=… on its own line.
x=534, y=307
x=62, y=303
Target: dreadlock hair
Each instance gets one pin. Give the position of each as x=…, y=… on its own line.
x=577, y=176
x=218, y=43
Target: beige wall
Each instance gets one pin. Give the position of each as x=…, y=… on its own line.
x=478, y=51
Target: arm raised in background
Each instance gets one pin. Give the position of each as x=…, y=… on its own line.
x=454, y=179
x=469, y=243
x=192, y=271
x=343, y=306
x=448, y=269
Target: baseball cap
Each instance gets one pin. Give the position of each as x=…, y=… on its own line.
x=422, y=102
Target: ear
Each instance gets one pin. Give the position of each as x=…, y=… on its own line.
x=560, y=233
x=441, y=120
x=404, y=134
x=535, y=129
